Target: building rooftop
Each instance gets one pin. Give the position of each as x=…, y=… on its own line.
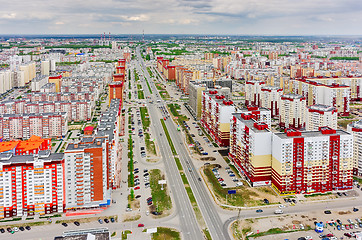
x=252, y=124
x=323, y=108
x=292, y=96
x=46, y=156
x=323, y=132
x=357, y=124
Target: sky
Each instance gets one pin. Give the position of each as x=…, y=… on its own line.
x=236, y=17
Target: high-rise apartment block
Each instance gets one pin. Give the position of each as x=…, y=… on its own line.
x=31, y=184
x=253, y=92
x=215, y=116
x=355, y=129
x=293, y=111
x=250, y=148
x=320, y=116
x=315, y=161
x=270, y=97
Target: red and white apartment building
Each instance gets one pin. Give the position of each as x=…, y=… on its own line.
x=270, y=96
x=250, y=148
x=355, y=129
x=259, y=114
x=313, y=161
x=215, y=116
x=31, y=184
x=253, y=92
x=293, y=111
x=321, y=115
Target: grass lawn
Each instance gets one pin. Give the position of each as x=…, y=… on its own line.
x=145, y=118
x=243, y=195
x=141, y=95
x=148, y=85
x=166, y=234
x=168, y=137
x=160, y=197
x=164, y=95
x=150, y=145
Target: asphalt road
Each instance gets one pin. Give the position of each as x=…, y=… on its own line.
x=204, y=201
x=188, y=223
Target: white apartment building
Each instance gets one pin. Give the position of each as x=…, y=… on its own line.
x=320, y=116
x=250, y=148
x=293, y=111
x=252, y=92
x=270, y=96
x=355, y=129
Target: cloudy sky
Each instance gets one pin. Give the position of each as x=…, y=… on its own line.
x=271, y=17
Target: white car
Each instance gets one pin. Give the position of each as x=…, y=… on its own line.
x=147, y=213
x=15, y=229
x=281, y=206
x=308, y=238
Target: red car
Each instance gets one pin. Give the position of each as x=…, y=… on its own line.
x=136, y=188
x=141, y=225
x=329, y=235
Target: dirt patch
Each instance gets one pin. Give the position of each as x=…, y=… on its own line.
x=207, y=159
x=344, y=212
x=296, y=222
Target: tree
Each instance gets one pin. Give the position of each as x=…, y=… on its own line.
x=148, y=57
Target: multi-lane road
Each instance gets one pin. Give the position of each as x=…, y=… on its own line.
x=183, y=205
x=188, y=222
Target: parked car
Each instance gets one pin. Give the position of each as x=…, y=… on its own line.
x=65, y=224
x=259, y=210
x=2, y=230
x=76, y=223
x=28, y=228
x=141, y=225
x=112, y=220
x=100, y=221
x=106, y=220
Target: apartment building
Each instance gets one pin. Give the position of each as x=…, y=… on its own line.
x=85, y=173
x=270, y=97
x=253, y=92
x=215, y=116
x=258, y=114
x=315, y=161
x=355, y=129
x=115, y=90
x=293, y=111
x=354, y=83
x=331, y=95
x=321, y=115
x=76, y=110
x=250, y=148
x=31, y=184
x=167, y=70
x=110, y=126
x=64, y=96
x=23, y=126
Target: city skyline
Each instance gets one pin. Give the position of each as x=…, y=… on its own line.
x=182, y=17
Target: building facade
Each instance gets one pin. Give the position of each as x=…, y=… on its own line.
x=292, y=111
x=250, y=148
x=355, y=129
x=315, y=161
x=321, y=115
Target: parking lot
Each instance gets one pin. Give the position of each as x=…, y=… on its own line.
x=336, y=225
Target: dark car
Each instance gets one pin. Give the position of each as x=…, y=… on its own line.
x=138, y=196
x=339, y=222
x=327, y=212
x=355, y=209
x=65, y=224
x=2, y=230
x=22, y=229
x=100, y=221
x=156, y=213
x=259, y=211
x=106, y=220
x=28, y=228
x=339, y=194
x=76, y=223
x=301, y=238
x=9, y=230
x=347, y=235
x=112, y=220
x=266, y=201
x=146, y=174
